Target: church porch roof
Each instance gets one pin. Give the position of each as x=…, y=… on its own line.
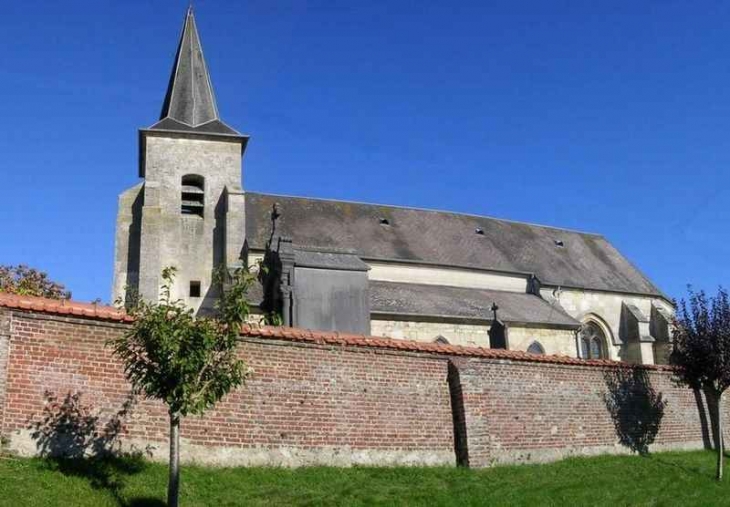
x=441, y=302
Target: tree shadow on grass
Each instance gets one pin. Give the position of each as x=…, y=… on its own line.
x=145, y=502
x=677, y=466
x=76, y=442
x=107, y=473
x=635, y=407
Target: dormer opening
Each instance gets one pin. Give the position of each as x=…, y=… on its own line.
x=192, y=201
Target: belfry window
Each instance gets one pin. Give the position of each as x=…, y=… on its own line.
x=192, y=201
x=592, y=341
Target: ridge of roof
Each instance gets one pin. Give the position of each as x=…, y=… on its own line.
x=430, y=210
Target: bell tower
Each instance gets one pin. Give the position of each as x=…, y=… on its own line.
x=188, y=212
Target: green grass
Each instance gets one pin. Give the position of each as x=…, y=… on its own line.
x=661, y=479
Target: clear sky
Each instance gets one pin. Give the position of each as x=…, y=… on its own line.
x=609, y=117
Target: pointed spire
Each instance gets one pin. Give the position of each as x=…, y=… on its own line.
x=190, y=99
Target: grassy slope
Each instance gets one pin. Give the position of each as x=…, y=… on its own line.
x=661, y=479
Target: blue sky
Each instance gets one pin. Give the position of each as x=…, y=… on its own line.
x=609, y=117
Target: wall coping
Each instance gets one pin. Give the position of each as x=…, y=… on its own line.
x=99, y=312
x=354, y=340
x=64, y=307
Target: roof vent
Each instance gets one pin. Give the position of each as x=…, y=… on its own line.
x=384, y=221
x=559, y=243
x=479, y=231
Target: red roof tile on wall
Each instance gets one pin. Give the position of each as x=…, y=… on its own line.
x=63, y=307
x=110, y=313
x=335, y=338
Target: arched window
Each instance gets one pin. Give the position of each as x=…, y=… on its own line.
x=440, y=339
x=592, y=341
x=192, y=201
x=535, y=348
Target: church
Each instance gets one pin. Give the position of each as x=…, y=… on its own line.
x=370, y=269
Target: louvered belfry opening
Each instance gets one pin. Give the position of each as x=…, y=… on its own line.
x=193, y=195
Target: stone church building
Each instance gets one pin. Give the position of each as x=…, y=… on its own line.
x=363, y=268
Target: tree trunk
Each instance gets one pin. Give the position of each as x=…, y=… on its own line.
x=720, y=439
x=173, y=482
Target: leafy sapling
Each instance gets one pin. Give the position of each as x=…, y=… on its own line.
x=701, y=352
x=187, y=362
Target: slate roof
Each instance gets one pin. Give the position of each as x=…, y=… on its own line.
x=343, y=261
x=457, y=302
x=584, y=260
x=190, y=103
x=212, y=127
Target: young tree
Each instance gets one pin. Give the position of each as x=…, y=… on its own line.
x=186, y=362
x=26, y=281
x=702, y=352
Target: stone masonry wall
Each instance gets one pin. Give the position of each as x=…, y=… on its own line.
x=553, y=341
x=343, y=400
x=195, y=245
x=473, y=335
x=606, y=307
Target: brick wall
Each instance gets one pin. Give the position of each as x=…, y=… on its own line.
x=319, y=398
x=304, y=403
x=522, y=412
